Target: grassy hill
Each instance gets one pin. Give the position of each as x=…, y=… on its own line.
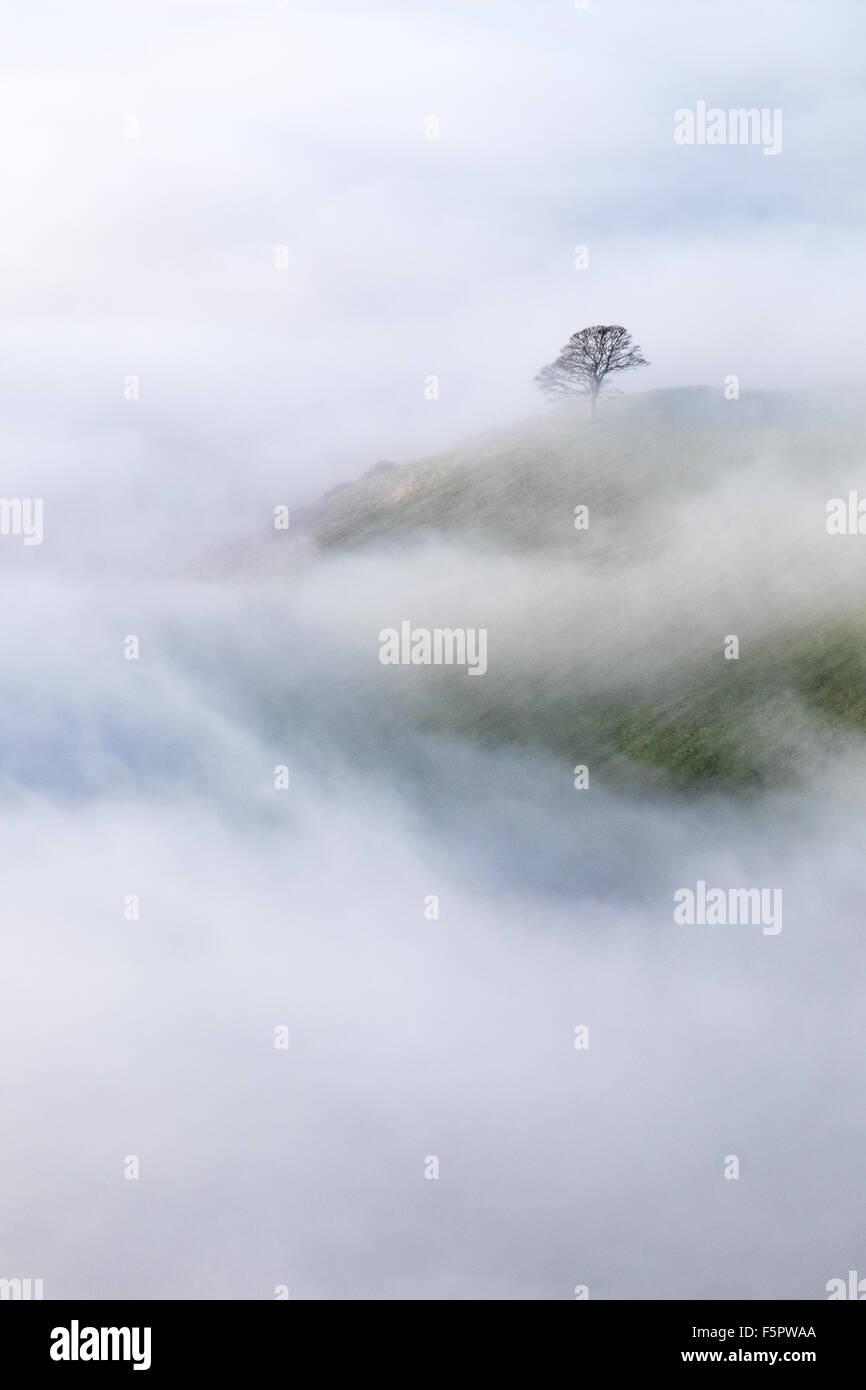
x=518, y=486
x=706, y=518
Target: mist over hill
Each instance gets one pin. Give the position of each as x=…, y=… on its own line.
x=514, y=487
x=285, y=808
x=704, y=518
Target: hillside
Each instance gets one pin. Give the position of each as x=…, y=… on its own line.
x=706, y=518
x=517, y=487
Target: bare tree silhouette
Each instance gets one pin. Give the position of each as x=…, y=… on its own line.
x=587, y=359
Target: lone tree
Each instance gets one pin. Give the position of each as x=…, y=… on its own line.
x=587, y=359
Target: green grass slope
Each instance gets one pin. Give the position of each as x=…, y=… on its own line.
x=710, y=501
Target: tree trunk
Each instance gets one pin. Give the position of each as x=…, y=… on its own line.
x=593, y=397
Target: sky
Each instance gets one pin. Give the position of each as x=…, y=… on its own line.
x=155, y=155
